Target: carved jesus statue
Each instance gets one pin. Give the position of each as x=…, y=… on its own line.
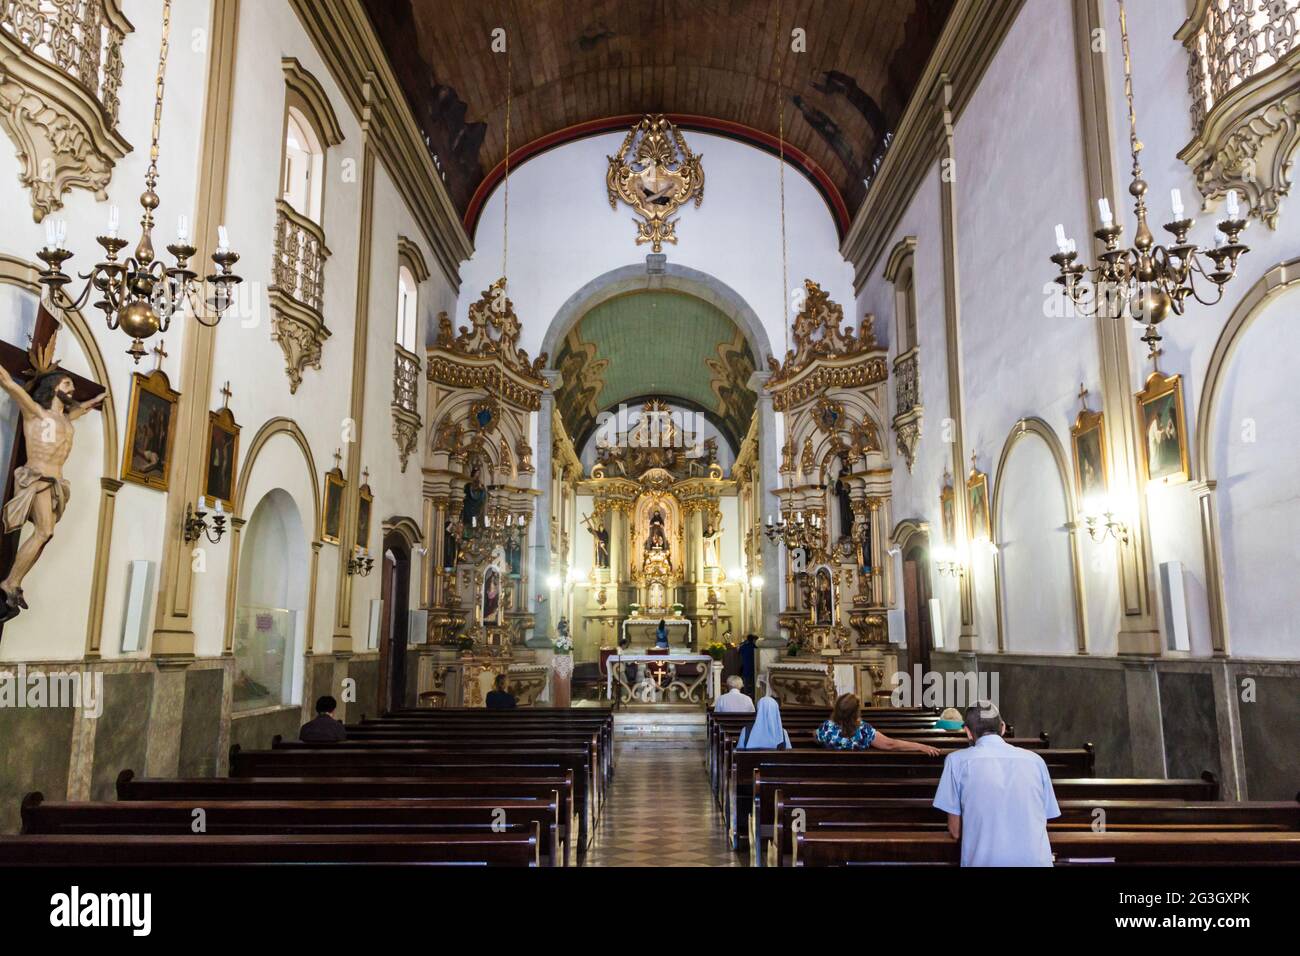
x=41, y=492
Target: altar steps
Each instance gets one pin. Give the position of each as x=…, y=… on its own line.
x=659, y=726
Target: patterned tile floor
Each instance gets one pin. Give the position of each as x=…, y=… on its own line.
x=660, y=812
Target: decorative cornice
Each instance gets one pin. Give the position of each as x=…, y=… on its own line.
x=322, y=116
x=971, y=38
x=344, y=37
x=410, y=255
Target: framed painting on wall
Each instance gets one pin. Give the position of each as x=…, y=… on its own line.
x=150, y=430
x=977, y=490
x=332, y=515
x=1164, y=429
x=365, y=505
x=1088, y=442
x=948, y=511
x=222, y=458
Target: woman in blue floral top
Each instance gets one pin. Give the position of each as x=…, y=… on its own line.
x=846, y=730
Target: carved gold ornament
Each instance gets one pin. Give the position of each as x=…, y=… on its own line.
x=819, y=333
x=655, y=173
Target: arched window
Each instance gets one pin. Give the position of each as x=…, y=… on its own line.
x=899, y=272
x=304, y=161
x=408, y=295
x=905, y=310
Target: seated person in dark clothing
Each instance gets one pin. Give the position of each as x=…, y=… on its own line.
x=324, y=729
x=499, y=698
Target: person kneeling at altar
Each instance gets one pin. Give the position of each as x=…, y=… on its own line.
x=735, y=700
x=661, y=635
x=846, y=730
x=498, y=698
x=766, y=732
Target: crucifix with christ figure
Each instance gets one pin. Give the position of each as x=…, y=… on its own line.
x=49, y=399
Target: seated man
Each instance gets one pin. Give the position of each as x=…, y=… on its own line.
x=499, y=698
x=734, y=701
x=998, y=797
x=324, y=729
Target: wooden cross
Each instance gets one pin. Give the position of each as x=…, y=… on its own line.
x=1083, y=396
x=226, y=393
x=1156, y=352
x=972, y=462
x=365, y=476
x=160, y=353
x=338, y=459
x=18, y=362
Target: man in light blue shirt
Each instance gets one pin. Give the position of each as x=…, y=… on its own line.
x=998, y=797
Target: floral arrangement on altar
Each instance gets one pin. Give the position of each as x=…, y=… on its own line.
x=563, y=644
x=716, y=650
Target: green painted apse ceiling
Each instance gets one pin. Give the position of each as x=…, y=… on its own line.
x=658, y=344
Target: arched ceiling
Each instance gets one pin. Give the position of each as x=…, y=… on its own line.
x=655, y=344
x=574, y=64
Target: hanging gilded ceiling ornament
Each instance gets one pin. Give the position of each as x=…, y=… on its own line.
x=655, y=173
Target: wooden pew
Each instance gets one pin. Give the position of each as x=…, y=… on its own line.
x=1131, y=848
x=866, y=813
x=359, y=762
x=460, y=849
x=416, y=816
x=203, y=791
x=1087, y=789
x=854, y=765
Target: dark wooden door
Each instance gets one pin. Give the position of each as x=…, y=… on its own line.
x=395, y=590
x=916, y=607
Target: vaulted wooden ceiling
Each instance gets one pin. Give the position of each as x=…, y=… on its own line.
x=576, y=63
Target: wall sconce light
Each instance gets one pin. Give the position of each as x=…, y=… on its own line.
x=756, y=582
x=947, y=562
x=553, y=581
x=196, y=524
x=1099, y=518
x=361, y=563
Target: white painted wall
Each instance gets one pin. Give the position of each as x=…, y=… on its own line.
x=563, y=233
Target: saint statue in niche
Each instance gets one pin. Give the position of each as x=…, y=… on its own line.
x=845, y=499
x=475, y=497
x=515, y=556
x=491, y=595
x=599, y=539
x=823, y=607
x=40, y=492
x=713, y=539
x=449, y=548
x=656, y=540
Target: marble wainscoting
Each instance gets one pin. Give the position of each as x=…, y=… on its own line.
x=1175, y=717
x=364, y=669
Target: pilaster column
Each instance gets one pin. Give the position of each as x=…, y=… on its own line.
x=1207, y=505
x=969, y=636
x=769, y=479
x=357, y=408
x=616, y=525
x=173, y=635
x=1138, y=631
x=541, y=525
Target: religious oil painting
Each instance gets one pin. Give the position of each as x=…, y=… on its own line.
x=332, y=518
x=1088, y=438
x=491, y=596
x=823, y=598
x=948, y=509
x=222, y=459
x=150, y=430
x=977, y=489
x=365, y=505
x=1164, y=430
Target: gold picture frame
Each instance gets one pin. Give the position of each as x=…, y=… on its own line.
x=977, y=495
x=1088, y=446
x=365, y=509
x=948, y=514
x=150, y=430
x=1162, y=420
x=221, y=460
x=331, y=516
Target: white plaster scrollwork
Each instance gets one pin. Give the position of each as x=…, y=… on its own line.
x=60, y=69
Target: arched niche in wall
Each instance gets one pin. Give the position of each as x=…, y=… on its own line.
x=294, y=452
x=908, y=412
x=1039, y=575
x=1246, y=433
x=272, y=602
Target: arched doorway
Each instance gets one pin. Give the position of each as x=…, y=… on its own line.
x=395, y=590
x=914, y=546
x=271, y=606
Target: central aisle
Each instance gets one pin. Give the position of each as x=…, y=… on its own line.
x=660, y=810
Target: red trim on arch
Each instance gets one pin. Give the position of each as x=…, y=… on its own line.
x=705, y=124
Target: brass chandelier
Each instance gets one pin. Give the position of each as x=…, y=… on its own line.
x=140, y=294
x=1148, y=281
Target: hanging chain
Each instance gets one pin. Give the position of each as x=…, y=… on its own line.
x=780, y=100
x=1135, y=144
x=505, y=213
x=152, y=176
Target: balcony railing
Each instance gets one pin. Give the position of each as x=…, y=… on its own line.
x=300, y=254
x=1237, y=40
x=406, y=379
x=82, y=38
